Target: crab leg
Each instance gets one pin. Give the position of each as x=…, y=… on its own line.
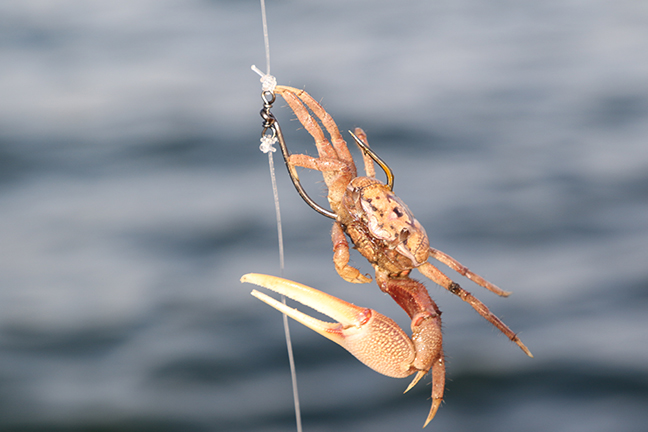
x=290, y=94
x=341, y=257
x=370, y=170
x=441, y=279
x=464, y=271
x=335, y=161
x=412, y=296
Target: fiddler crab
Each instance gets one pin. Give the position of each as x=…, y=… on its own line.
x=383, y=229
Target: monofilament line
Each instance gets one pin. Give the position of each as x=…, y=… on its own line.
x=291, y=359
x=266, y=39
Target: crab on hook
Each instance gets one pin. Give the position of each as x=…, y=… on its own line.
x=384, y=231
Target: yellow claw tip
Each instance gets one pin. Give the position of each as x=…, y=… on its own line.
x=258, y=279
x=248, y=277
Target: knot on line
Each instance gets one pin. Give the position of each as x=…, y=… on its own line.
x=267, y=143
x=268, y=82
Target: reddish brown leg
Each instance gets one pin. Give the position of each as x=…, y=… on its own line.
x=464, y=271
x=414, y=298
x=441, y=279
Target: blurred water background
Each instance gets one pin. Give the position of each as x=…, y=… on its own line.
x=133, y=197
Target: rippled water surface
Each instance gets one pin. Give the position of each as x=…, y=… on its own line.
x=133, y=197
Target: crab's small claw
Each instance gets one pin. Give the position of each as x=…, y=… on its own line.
x=374, y=339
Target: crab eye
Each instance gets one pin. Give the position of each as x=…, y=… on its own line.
x=353, y=197
x=404, y=235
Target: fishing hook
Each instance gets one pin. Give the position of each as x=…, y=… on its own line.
x=270, y=123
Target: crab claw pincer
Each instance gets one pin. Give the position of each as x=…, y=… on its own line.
x=374, y=339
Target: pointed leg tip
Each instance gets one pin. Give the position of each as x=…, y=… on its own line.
x=524, y=348
x=361, y=279
x=417, y=378
x=436, y=403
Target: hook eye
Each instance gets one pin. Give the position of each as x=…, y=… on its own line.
x=295, y=178
x=268, y=97
x=365, y=148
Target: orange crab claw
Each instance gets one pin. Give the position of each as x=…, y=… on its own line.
x=374, y=339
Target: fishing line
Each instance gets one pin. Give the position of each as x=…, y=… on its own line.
x=268, y=83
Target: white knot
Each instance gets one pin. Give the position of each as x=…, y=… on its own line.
x=267, y=143
x=268, y=82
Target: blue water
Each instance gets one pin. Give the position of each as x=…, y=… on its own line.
x=133, y=197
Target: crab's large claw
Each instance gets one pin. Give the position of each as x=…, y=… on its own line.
x=374, y=339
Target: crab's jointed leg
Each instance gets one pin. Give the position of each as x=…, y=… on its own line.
x=341, y=257
x=370, y=170
x=298, y=100
x=464, y=271
x=441, y=279
x=335, y=161
x=414, y=298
